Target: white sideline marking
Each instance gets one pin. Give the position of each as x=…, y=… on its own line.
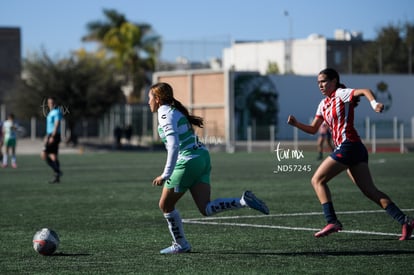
x=210, y=221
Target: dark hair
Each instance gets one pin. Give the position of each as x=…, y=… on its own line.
x=54, y=101
x=332, y=74
x=165, y=93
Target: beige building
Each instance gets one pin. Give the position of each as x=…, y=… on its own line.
x=205, y=93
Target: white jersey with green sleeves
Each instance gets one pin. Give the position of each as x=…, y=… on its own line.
x=172, y=121
x=9, y=130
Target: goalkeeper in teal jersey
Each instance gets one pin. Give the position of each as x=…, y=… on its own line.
x=187, y=167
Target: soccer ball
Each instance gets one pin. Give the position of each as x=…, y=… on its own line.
x=45, y=241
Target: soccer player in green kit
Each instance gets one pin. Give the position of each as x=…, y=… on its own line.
x=9, y=130
x=187, y=167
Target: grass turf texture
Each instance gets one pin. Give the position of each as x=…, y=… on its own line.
x=106, y=214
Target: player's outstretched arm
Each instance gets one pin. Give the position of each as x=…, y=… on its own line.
x=307, y=128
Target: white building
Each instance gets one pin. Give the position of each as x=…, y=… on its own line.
x=297, y=56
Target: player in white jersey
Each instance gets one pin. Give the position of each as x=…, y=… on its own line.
x=10, y=140
x=187, y=167
x=337, y=110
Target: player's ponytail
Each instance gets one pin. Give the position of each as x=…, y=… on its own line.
x=164, y=92
x=194, y=120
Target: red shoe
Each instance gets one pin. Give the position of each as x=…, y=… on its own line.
x=407, y=230
x=328, y=229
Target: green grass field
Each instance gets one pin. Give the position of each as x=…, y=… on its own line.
x=106, y=214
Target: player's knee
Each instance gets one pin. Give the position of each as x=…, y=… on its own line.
x=316, y=181
x=164, y=207
x=161, y=206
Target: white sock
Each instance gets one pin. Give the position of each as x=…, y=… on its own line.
x=175, y=226
x=220, y=205
x=4, y=159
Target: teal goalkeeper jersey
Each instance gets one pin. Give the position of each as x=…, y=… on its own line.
x=53, y=116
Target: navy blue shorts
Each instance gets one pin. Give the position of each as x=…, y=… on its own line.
x=350, y=153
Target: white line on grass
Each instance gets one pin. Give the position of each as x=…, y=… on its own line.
x=285, y=227
x=291, y=215
x=210, y=221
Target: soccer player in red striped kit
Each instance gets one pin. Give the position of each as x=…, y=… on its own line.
x=337, y=110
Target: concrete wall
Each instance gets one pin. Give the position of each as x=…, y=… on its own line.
x=210, y=94
x=300, y=96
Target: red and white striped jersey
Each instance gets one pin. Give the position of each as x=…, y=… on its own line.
x=338, y=112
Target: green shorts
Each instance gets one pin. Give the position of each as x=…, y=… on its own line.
x=187, y=173
x=10, y=142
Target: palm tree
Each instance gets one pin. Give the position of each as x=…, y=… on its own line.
x=134, y=48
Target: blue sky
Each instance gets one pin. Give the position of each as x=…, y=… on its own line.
x=199, y=29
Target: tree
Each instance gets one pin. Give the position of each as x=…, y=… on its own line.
x=391, y=52
x=84, y=87
x=272, y=68
x=134, y=48
x=408, y=31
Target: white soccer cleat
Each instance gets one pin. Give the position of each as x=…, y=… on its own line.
x=176, y=249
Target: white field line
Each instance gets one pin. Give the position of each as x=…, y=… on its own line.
x=211, y=221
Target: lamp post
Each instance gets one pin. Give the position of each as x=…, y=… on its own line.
x=410, y=59
x=288, y=48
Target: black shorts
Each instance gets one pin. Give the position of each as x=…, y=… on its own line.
x=52, y=148
x=350, y=153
